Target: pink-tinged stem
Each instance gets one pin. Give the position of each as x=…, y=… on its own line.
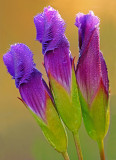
x=65, y=155
x=78, y=147
x=101, y=149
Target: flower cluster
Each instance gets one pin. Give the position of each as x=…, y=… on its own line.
x=72, y=90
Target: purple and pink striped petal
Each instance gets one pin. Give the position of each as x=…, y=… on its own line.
x=91, y=67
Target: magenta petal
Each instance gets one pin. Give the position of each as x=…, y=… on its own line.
x=88, y=69
x=55, y=46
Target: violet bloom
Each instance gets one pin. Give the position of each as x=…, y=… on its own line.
x=35, y=94
x=92, y=77
x=59, y=66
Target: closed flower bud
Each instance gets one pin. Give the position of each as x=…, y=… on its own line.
x=92, y=77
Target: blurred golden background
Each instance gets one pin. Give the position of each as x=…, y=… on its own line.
x=20, y=136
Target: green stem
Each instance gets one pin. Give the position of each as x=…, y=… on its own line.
x=101, y=149
x=65, y=155
x=78, y=147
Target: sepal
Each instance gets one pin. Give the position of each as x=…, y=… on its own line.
x=68, y=105
x=53, y=128
x=96, y=117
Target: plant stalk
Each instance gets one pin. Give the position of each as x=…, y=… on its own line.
x=78, y=147
x=101, y=149
x=65, y=155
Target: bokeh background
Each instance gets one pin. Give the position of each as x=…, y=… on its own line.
x=20, y=136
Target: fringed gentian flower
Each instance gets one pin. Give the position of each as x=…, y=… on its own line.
x=92, y=79
x=35, y=94
x=59, y=66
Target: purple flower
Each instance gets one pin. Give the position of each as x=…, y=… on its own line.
x=33, y=89
x=92, y=78
x=35, y=94
x=55, y=46
x=58, y=63
x=91, y=71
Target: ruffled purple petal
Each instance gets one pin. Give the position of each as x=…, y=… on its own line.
x=33, y=89
x=50, y=29
x=55, y=46
x=88, y=70
x=19, y=62
x=9, y=62
x=34, y=93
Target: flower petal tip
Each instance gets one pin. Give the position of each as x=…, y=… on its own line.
x=87, y=19
x=50, y=28
x=19, y=62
